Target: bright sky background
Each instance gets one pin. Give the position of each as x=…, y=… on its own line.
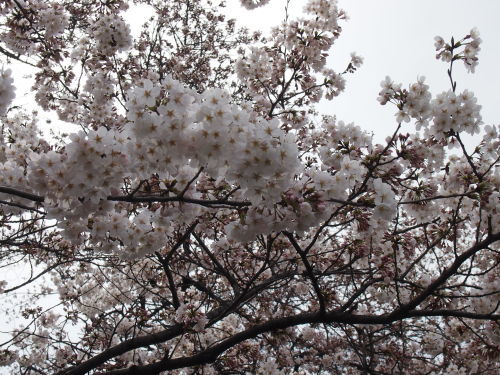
x=396, y=38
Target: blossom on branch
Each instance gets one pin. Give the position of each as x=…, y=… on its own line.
x=197, y=214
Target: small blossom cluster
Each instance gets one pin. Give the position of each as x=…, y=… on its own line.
x=491, y=141
x=53, y=18
x=423, y=153
x=255, y=65
x=7, y=88
x=188, y=313
x=297, y=214
x=98, y=94
x=313, y=36
x=412, y=103
x=76, y=181
x=447, y=113
x=457, y=113
x=269, y=367
x=447, y=51
x=252, y=4
x=80, y=48
x=47, y=20
x=19, y=140
x=335, y=83
x=112, y=34
x=348, y=171
x=338, y=133
x=356, y=62
x=326, y=13
x=385, y=201
x=130, y=238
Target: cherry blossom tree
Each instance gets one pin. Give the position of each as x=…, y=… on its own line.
x=206, y=219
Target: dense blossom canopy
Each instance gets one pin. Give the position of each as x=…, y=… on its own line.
x=206, y=219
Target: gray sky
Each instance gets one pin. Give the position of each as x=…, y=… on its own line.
x=396, y=38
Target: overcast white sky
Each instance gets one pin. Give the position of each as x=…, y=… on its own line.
x=396, y=38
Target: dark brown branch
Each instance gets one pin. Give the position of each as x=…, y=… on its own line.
x=309, y=271
x=171, y=283
x=220, y=268
x=416, y=201
x=350, y=203
x=133, y=199
x=211, y=354
x=21, y=194
x=446, y=274
x=23, y=206
x=156, y=198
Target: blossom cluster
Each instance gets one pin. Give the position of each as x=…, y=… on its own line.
x=252, y=4
x=385, y=201
x=19, y=140
x=458, y=113
x=170, y=126
x=412, y=103
x=112, y=34
x=7, y=93
x=207, y=131
x=447, y=113
x=298, y=45
x=47, y=18
x=326, y=12
x=78, y=179
x=471, y=47
x=53, y=18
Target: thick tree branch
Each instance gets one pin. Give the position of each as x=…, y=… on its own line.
x=446, y=274
x=211, y=354
x=134, y=199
